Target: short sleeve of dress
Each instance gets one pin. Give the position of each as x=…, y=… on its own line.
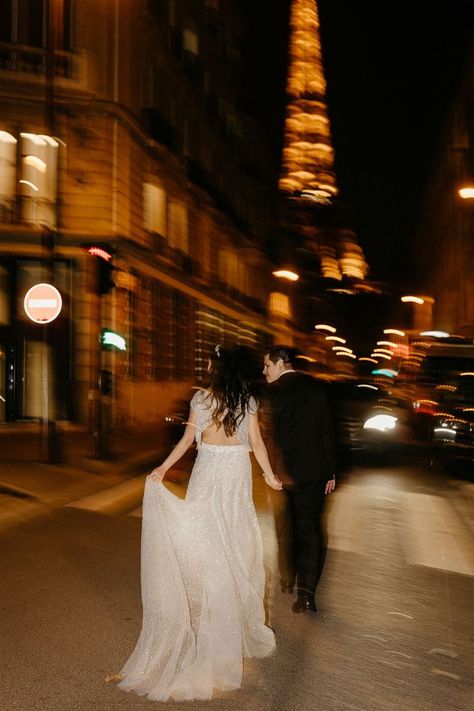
x=196, y=400
x=252, y=406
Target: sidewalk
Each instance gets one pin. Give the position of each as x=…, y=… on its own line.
x=31, y=488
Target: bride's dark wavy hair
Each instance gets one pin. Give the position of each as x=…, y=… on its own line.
x=230, y=386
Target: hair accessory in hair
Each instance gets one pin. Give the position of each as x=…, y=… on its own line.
x=218, y=350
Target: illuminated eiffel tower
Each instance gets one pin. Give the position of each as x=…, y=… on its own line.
x=308, y=179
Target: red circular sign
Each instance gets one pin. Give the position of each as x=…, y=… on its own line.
x=43, y=303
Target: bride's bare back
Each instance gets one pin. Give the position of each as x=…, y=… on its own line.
x=213, y=435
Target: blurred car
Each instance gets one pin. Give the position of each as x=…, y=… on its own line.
x=369, y=421
x=452, y=423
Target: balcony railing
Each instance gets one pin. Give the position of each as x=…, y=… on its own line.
x=23, y=59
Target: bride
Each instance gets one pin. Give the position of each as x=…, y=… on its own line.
x=201, y=562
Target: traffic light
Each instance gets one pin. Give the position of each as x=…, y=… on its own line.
x=106, y=274
x=103, y=255
x=106, y=384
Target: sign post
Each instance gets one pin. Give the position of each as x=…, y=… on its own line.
x=43, y=304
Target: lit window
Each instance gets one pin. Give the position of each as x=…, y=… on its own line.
x=190, y=41
x=38, y=181
x=154, y=209
x=228, y=267
x=8, y=147
x=279, y=304
x=178, y=226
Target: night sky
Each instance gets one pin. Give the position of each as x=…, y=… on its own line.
x=391, y=68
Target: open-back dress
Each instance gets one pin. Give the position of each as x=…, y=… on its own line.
x=202, y=575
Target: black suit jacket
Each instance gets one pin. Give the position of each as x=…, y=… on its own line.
x=302, y=429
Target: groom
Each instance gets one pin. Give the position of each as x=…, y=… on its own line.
x=305, y=462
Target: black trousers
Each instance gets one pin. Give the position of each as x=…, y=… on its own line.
x=301, y=537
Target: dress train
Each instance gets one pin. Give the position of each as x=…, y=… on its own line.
x=202, y=583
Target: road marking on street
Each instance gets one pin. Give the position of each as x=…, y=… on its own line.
x=444, y=652
x=434, y=536
x=442, y=672
x=114, y=500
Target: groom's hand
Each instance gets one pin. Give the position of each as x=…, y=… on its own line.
x=330, y=485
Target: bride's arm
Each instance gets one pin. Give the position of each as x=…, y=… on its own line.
x=261, y=454
x=177, y=452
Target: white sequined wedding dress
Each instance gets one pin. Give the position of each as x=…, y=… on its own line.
x=202, y=577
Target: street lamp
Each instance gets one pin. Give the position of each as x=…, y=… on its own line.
x=286, y=274
x=393, y=331
x=412, y=299
x=466, y=192
x=325, y=327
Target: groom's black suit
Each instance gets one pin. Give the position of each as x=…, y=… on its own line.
x=304, y=459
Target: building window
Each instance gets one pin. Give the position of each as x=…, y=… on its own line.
x=38, y=181
x=279, y=305
x=6, y=23
x=178, y=226
x=158, y=9
x=31, y=22
x=190, y=41
x=24, y=22
x=174, y=330
x=228, y=267
x=154, y=209
x=184, y=336
x=171, y=13
x=143, y=331
x=8, y=149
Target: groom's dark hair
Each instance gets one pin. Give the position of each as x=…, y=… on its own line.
x=286, y=353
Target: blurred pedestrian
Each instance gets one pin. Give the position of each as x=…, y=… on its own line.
x=304, y=459
x=202, y=562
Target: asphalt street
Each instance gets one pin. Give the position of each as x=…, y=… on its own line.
x=394, y=629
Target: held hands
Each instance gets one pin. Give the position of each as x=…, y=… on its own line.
x=273, y=481
x=157, y=475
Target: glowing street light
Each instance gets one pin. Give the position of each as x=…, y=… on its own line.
x=412, y=300
x=336, y=338
x=466, y=192
x=325, y=327
x=394, y=331
x=387, y=343
x=286, y=274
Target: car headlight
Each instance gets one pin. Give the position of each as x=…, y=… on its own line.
x=383, y=423
x=446, y=433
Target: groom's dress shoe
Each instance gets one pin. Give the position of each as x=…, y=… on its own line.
x=304, y=603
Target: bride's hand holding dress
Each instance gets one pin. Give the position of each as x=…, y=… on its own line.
x=157, y=475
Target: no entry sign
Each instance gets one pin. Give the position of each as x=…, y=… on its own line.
x=43, y=303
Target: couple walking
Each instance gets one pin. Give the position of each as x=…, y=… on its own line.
x=202, y=562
